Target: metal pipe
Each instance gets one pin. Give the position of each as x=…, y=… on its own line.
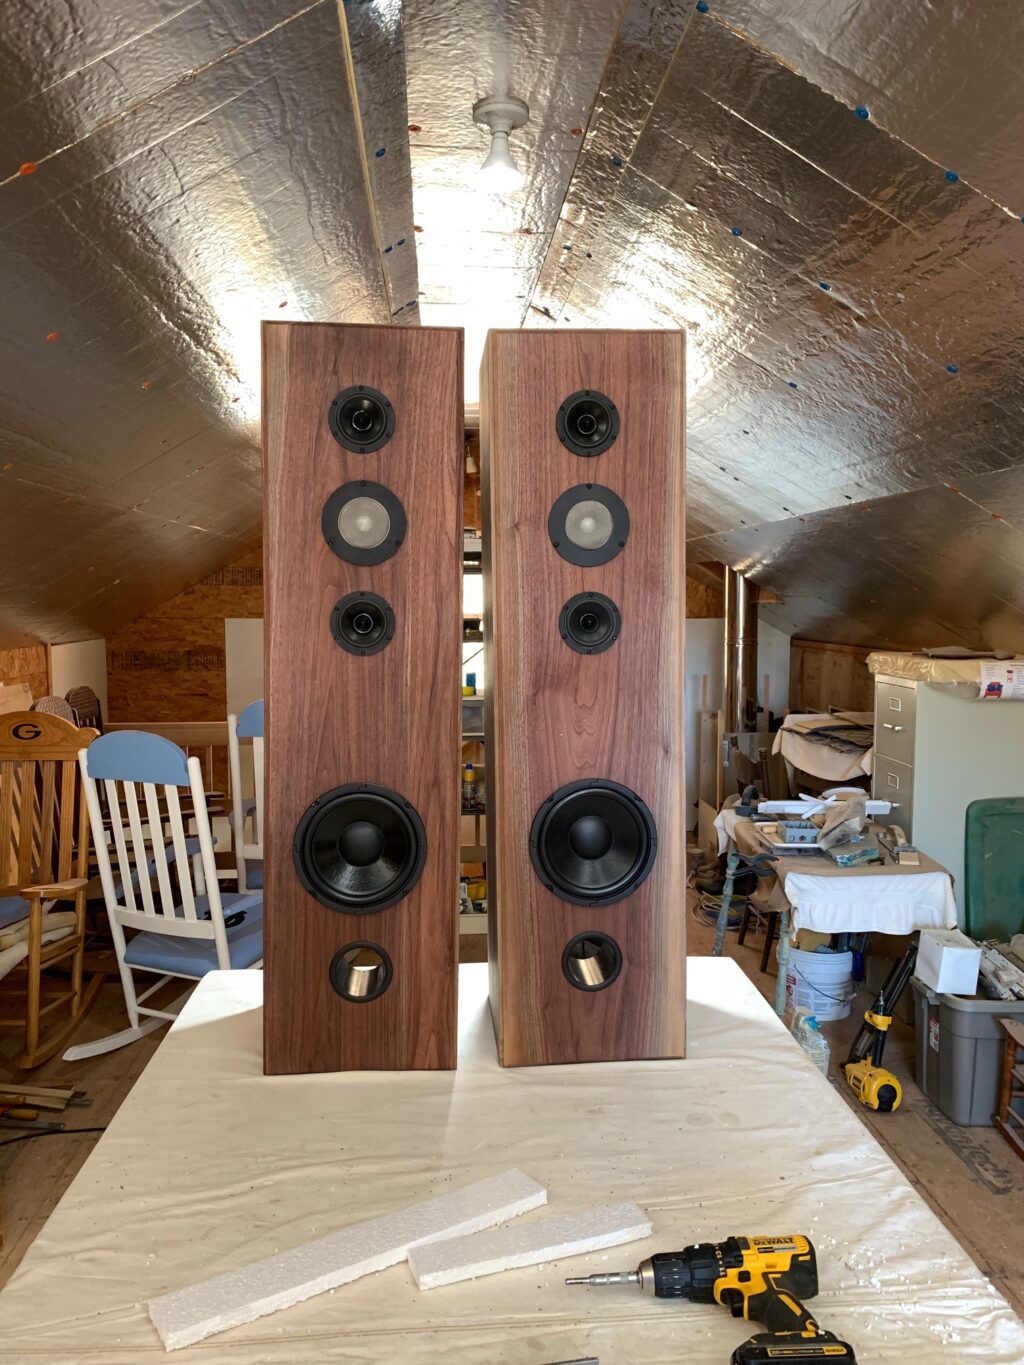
x=739, y=670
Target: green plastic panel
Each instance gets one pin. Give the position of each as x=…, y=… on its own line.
x=994, y=868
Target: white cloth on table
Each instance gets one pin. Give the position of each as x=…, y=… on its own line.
x=884, y=903
x=209, y=1165
x=725, y=824
x=818, y=759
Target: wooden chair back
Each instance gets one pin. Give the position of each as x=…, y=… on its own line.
x=44, y=832
x=161, y=883
x=86, y=706
x=246, y=727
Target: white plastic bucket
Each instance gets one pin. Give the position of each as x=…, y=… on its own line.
x=820, y=982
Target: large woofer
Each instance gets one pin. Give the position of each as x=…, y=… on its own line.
x=361, y=419
x=587, y=422
x=593, y=842
x=591, y=961
x=360, y=848
x=589, y=623
x=361, y=972
x=588, y=524
x=363, y=522
x=362, y=623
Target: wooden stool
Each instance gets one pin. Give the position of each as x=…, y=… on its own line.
x=1008, y=1120
x=771, y=929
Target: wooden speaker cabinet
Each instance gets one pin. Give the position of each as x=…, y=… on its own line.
x=362, y=434
x=584, y=604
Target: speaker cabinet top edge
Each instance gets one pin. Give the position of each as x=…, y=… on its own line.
x=584, y=331
x=277, y=324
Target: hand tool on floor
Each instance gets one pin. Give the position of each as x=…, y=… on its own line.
x=762, y=1279
x=866, y=1076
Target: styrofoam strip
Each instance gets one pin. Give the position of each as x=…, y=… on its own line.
x=188, y=1315
x=550, y=1239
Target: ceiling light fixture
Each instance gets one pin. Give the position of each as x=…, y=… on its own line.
x=500, y=114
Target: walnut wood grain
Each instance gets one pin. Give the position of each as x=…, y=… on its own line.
x=390, y=718
x=555, y=716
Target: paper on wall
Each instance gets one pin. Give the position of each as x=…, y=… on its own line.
x=1001, y=681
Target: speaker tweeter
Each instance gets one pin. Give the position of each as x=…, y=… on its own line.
x=589, y=623
x=362, y=623
x=361, y=419
x=363, y=522
x=588, y=524
x=359, y=848
x=587, y=422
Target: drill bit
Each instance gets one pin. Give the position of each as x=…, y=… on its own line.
x=614, y=1277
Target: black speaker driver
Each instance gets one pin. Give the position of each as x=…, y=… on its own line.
x=361, y=419
x=362, y=623
x=588, y=524
x=593, y=842
x=587, y=422
x=363, y=522
x=589, y=623
x=359, y=848
x=361, y=972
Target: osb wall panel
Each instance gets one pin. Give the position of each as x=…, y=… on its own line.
x=703, y=601
x=27, y=664
x=169, y=664
x=821, y=676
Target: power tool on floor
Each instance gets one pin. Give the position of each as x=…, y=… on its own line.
x=762, y=1279
x=866, y=1076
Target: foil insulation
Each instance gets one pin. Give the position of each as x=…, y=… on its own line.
x=853, y=310
x=196, y=168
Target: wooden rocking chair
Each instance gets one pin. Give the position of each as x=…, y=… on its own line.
x=44, y=858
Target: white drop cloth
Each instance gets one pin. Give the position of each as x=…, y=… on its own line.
x=818, y=759
x=209, y=1165
x=884, y=903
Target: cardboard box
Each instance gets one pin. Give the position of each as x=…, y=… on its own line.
x=948, y=961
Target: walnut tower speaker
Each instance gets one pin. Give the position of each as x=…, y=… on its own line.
x=584, y=604
x=362, y=433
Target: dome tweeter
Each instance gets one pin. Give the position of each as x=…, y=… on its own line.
x=361, y=419
x=587, y=423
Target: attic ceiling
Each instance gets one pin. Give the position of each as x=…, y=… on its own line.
x=828, y=196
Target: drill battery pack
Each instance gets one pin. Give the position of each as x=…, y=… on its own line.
x=771, y=1348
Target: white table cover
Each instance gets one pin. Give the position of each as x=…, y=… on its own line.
x=209, y=1165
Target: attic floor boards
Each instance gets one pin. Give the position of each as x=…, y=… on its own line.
x=968, y=1176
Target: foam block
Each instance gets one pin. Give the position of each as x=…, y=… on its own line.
x=550, y=1239
x=188, y=1315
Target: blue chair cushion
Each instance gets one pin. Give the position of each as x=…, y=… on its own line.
x=14, y=908
x=196, y=956
x=254, y=874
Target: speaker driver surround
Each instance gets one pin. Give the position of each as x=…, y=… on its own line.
x=359, y=848
x=587, y=422
x=363, y=522
x=361, y=419
x=591, y=961
x=363, y=623
x=593, y=842
x=589, y=623
x=361, y=972
x=588, y=524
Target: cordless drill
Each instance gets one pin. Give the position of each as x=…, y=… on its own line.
x=762, y=1279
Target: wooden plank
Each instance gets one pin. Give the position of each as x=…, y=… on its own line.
x=391, y=718
x=555, y=715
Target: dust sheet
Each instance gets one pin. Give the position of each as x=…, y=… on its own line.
x=209, y=1165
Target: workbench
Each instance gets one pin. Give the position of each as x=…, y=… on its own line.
x=209, y=1165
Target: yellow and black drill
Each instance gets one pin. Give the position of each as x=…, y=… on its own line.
x=762, y=1279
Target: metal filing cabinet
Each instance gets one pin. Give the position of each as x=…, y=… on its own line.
x=937, y=749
